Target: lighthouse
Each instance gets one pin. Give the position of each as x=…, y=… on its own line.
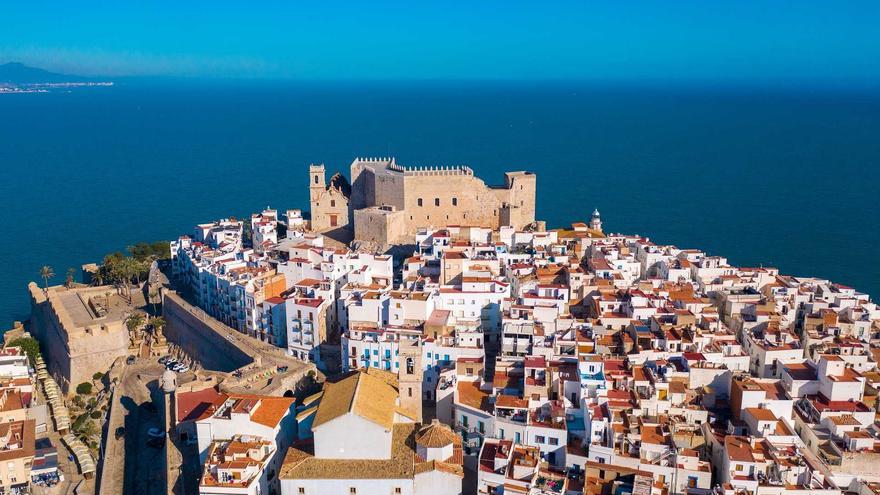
x=596, y=221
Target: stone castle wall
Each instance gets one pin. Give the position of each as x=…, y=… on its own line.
x=73, y=354
x=379, y=226
x=440, y=196
x=422, y=197
x=443, y=197
x=201, y=336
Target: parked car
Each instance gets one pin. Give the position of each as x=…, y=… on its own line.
x=182, y=368
x=130, y=360
x=120, y=432
x=163, y=359
x=170, y=363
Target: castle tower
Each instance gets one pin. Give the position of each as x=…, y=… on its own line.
x=409, y=375
x=596, y=221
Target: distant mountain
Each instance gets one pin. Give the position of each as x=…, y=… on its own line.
x=18, y=73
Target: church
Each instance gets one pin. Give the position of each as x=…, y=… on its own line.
x=393, y=451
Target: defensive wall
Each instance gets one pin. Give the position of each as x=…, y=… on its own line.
x=263, y=368
x=202, y=337
x=75, y=345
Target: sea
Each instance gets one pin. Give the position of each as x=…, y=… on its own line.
x=773, y=175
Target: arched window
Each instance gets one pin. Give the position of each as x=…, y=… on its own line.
x=409, y=366
x=436, y=201
x=316, y=179
x=420, y=201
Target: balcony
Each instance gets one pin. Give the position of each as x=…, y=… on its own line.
x=518, y=417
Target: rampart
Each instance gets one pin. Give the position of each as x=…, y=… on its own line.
x=205, y=339
x=76, y=346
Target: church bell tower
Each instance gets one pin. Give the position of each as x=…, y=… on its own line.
x=409, y=376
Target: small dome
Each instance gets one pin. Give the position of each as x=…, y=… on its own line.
x=596, y=212
x=435, y=435
x=169, y=381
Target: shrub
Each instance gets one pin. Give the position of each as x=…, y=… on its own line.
x=95, y=414
x=29, y=345
x=84, y=388
x=97, y=376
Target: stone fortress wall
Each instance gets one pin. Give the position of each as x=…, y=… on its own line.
x=75, y=349
x=201, y=336
x=388, y=201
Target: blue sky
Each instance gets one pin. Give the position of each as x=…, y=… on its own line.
x=739, y=40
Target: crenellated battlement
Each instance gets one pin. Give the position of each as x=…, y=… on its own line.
x=438, y=170
x=371, y=159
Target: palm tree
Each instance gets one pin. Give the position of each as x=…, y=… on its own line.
x=69, y=279
x=134, y=321
x=158, y=325
x=98, y=276
x=46, y=272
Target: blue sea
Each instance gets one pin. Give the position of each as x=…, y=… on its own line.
x=782, y=176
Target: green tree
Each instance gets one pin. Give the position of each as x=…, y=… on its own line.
x=87, y=427
x=134, y=321
x=46, y=272
x=99, y=276
x=84, y=388
x=158, y=324
x=29, y=345
x=97, y=376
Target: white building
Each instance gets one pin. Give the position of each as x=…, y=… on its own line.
x=390, y=453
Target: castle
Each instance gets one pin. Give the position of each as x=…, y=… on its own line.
x=386, y=203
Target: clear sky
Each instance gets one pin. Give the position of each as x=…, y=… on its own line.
x=479, y=39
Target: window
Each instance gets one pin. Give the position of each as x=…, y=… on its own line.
x=692, y=481
x=316, y=179
x=436, y=201
x=352, y=490
x=481, y=427
x=454, y=201
x=420, y=201
x=554, y=441
x=539, y=439
x=397, y=489
x=332, y=203
x=302, y=491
